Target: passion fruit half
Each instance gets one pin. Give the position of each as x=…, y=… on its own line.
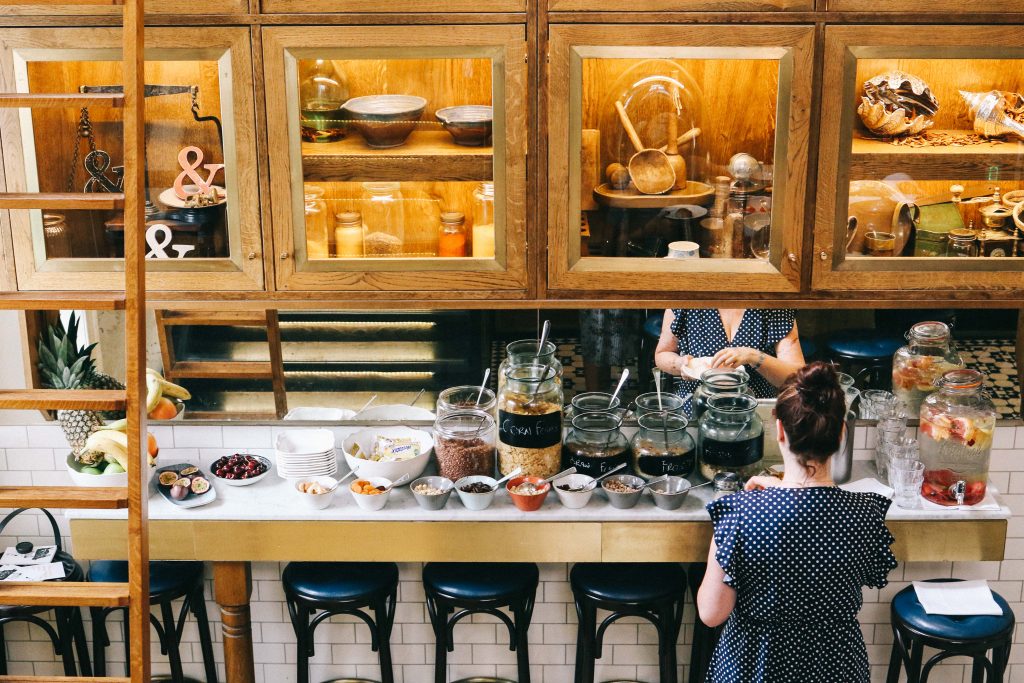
x=183, y=481
x=200, y=485
x=168, y=478
x=179, y=492
x=189, y=471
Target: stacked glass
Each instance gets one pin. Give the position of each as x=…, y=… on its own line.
x=875, y=402
x=906, y=472
x=889, y=434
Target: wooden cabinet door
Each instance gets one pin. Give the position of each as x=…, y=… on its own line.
x=748, y=90
x=401, y=253
x=683, y=6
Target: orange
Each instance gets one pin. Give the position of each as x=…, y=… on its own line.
x=165, y=410
x=153, y=447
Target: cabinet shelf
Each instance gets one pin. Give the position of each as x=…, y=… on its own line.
x=871, y=159
x=426, y=156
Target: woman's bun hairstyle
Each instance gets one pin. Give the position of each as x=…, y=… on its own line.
x=812, y=409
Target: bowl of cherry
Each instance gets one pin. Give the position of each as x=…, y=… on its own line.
x=240, y=469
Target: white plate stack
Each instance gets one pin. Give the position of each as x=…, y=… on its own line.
x=305, y=453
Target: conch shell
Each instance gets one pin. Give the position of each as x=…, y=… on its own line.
x=897, y=103
x=996, y=112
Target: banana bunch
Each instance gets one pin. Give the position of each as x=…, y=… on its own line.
x=111, y=442
x=159, y=393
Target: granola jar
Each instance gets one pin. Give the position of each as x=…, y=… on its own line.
x=524, y=352
x=595, y=444
x=464, y=444
x=915, y=367
x=530, y=420
x=663, y=446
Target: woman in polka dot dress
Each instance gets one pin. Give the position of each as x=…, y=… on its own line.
x=789, y=558
x=764, y=341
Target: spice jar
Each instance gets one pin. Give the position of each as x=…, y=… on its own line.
x=321, y=95
x=957, y=422
x=962, y=242
x=451, y=238
x=715, y=382
x=483, y=221
x=915, y=367
x=464, y=443
x=384, y=218
x=595, y=444
x=530, y=420
x=467, y=397
x=653, y=403
x=731, y=436
x=663, y=446
x=524, y=352
x=348, y=234
x=318, y=223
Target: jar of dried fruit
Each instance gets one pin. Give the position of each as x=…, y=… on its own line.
x=916, y=366
x=464, y=443
x=663, y=446
x=530, y=420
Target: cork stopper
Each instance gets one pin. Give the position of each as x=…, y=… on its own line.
x=453, y=217
x=349, y=218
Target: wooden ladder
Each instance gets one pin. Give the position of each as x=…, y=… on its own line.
x=135, y=593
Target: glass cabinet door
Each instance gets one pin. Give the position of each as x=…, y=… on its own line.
x=397, y=158
x=685, y=150
x=683, y=6
x=921, y=172
x=202, y=207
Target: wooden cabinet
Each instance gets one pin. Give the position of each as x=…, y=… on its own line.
x=199, y=104
x=747, y=89
x=932, y=7
x=403, y=6
x=683, y=6
x=352, y=216
x=904, y=212
x=154, y=7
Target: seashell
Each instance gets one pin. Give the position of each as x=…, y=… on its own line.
x=897, y=103
x=992, y=112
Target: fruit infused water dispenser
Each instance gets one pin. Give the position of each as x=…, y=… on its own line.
x=955, y=440
x=917, y=366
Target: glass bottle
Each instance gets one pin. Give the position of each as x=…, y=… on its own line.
x=962, y=242
x=321, y=95
x=714, y=238
x=468, y=397
x=530, y=420
x=451, y=238
x=464, y=444
x=384, y=219
x=662, y=445
x=715, y=382
x=483, y=221
x=957, y=422
x=348, y=234
x=524, y=352
x=916, y=366
x=55, y=236
x=318, y=224
x=595, y=444
x=731, y=436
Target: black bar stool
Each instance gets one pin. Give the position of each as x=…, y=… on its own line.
x=914, y=629
x=475, y=588
x=69, y=636
x=705, y=638
x=654, y=592
x=168, y=581
x=332, y=588
x=864, y=354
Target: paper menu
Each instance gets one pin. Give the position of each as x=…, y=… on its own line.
x=957, y=598
x=37, y=572
x=41, y=554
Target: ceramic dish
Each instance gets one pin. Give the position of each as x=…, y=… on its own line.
x=251, y=480
x=192, y=500
x=317, y=501
x=371, y=502
x=168, y=198
x=385, y=120
x=528, y=502
x=468, y=124
x=696, y=367
x=575, y=499
x=80, y=478
x=393, y=470
x=476, y=501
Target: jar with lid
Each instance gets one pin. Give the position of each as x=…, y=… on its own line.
x=468, y=397
x=731, y=436
x=725, y=483
x=530, y=420
x=348, y=234
x=464, y=444
x=524, y=352
x=55, y=236
x=595, y=444
x=962, y=242
x=663, y=446
x=714, y=382
x=321, y=95
x=318, y=223
x=656, y=403
x=451, y=237
x=383, y=215
x=483, y=221
x=957, y=423
x=593, y=402
x=916, y=366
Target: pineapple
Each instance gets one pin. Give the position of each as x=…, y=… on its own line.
x=64, y=365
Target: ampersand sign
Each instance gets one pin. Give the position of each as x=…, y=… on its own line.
x=189, y=169
x=158, y=237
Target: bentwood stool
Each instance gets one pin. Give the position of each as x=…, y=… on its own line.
x=69, y=636
x=914, y=629
x=865, y=354
x=168, y=581
x=652, y=591
x=473, y=588
x=316, y=591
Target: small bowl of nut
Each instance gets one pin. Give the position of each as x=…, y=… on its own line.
x=477, y=491
x=528, y=492
x=432, y=493
x=316, y=492
x=671, y=493
x=623, y=490
x=371, y=493
x=575, y=490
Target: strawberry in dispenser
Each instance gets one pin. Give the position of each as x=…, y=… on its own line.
x=916, y=366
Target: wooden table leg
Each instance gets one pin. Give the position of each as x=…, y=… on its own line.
x=232, y=588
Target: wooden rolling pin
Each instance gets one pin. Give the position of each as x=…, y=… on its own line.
x=683, y=139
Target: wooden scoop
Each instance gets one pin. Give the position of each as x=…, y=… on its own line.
x=672, y=148
x=650, y=169
x=684, y=138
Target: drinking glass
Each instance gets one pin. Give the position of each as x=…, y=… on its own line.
x=874, y=401
x=906, y=476
x=850, y=392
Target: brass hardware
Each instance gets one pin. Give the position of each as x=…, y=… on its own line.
x=823, y=255
x=252, y=255
x=792, y=257
x=284, y=255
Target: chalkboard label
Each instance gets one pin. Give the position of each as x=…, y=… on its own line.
x=530, y=431
x=591, y=466
x=732, y=453
x=676, y=465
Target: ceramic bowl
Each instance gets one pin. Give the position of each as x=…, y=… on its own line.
x=623, y=500
x=433, y=501
x=252, y=480
x=80, y=478
x=389, y=470
x=468, y=124
x=671, y=493
x=575, y=499
x=371, y=502
x=394, y=413
x=385, y=120
x=528, y=502
x=476, y=501
x=317, y=501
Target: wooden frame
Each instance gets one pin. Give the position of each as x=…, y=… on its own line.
x=841, y=157
x=155, y=7
x=505, y=45
x=932, y=7
x=242, y=270
x=351, y=6
x=683, y=6
x=792, y=46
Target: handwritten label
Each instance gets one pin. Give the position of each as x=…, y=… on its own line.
x=590, y=465
x=530, y=431
x=676, y=465
x=732, y=453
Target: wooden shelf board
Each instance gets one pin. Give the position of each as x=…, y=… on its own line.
x=62, y=399
x=87, y=201
x=426, y=156
x=61, y=100
x=878, y=158
x=53, y=301
x=239, y=318
x=62, y=679
x=66, y=497
x=221, y=370
x=64, y=594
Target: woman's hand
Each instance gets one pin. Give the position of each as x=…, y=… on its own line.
x=763, y=482
x=735, y=357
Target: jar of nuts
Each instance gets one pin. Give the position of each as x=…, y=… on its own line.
x=465, y=398
x=464, y=444
x=530, y=420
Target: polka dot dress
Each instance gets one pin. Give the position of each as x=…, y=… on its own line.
x=701, y=333
x=798, y=559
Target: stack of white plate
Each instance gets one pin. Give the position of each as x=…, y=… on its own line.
x=305, y=453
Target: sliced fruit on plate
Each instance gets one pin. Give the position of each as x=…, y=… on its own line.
x=183, y=481
x=200, y=485
x=168, y=478
x=188, y=471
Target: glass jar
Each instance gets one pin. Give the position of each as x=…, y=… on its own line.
x=731, y=436
x=530, y=420
x=483, y=221
x=663, y=446
x=915, y=367
x=957, y=422
x=593, y=402
x=384, y=219
x=595, y=444
x=318, y=223
x=348, y=234
x=650, y=403
x=455, y=399
x=451, y=237
x=715, y=382
x=464, y=444
x=524, y=352
x=321, y=95
x=963, y=243
x=55, y=236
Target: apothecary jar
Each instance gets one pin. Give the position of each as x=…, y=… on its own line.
x=530, y=420
x=916, y=366
x=731, y=436
x=595, y=444
x=663, y=446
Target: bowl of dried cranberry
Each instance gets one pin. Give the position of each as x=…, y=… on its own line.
x=240, y=469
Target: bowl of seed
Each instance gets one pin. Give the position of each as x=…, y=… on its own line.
x=623, y=490
x=432, y=493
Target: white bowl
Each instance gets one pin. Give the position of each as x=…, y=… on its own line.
x=394, y=413
x=374, y=502
x=245, y=482
x=394, y=471
x=304, y=441
x=316, y=414
x=574, y=499
x=80, y=479
x=317, y=501
x=476, y=501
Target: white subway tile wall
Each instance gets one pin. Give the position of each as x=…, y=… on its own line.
x=36, y=454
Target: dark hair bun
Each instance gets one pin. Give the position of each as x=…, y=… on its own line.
x=818, y=384
x=812, y=409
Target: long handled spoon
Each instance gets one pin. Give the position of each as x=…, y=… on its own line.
x=335, y=487
x=609, y=472
x=657, y=386
x=367, y=404
x=483, y=385
x=650, y=169
x=417, y=397
x=508, y=476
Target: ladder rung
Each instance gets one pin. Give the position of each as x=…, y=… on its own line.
x=65, y=497
x=61, y=100
x=214, y=369
x=63, y=399
x=50, y=3
x=240, y=318
x=87, y=201
x=61, y=679
x=54, y=301
x=64, y=594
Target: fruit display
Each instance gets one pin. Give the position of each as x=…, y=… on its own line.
x=182, y=483
x=159, y=395
x=366, y=488
x=916, y=366
x=109, y=446
x=239, y=467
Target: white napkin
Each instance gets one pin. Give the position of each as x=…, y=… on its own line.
x=957, y=598
x=868, y=485
x=986, y=503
